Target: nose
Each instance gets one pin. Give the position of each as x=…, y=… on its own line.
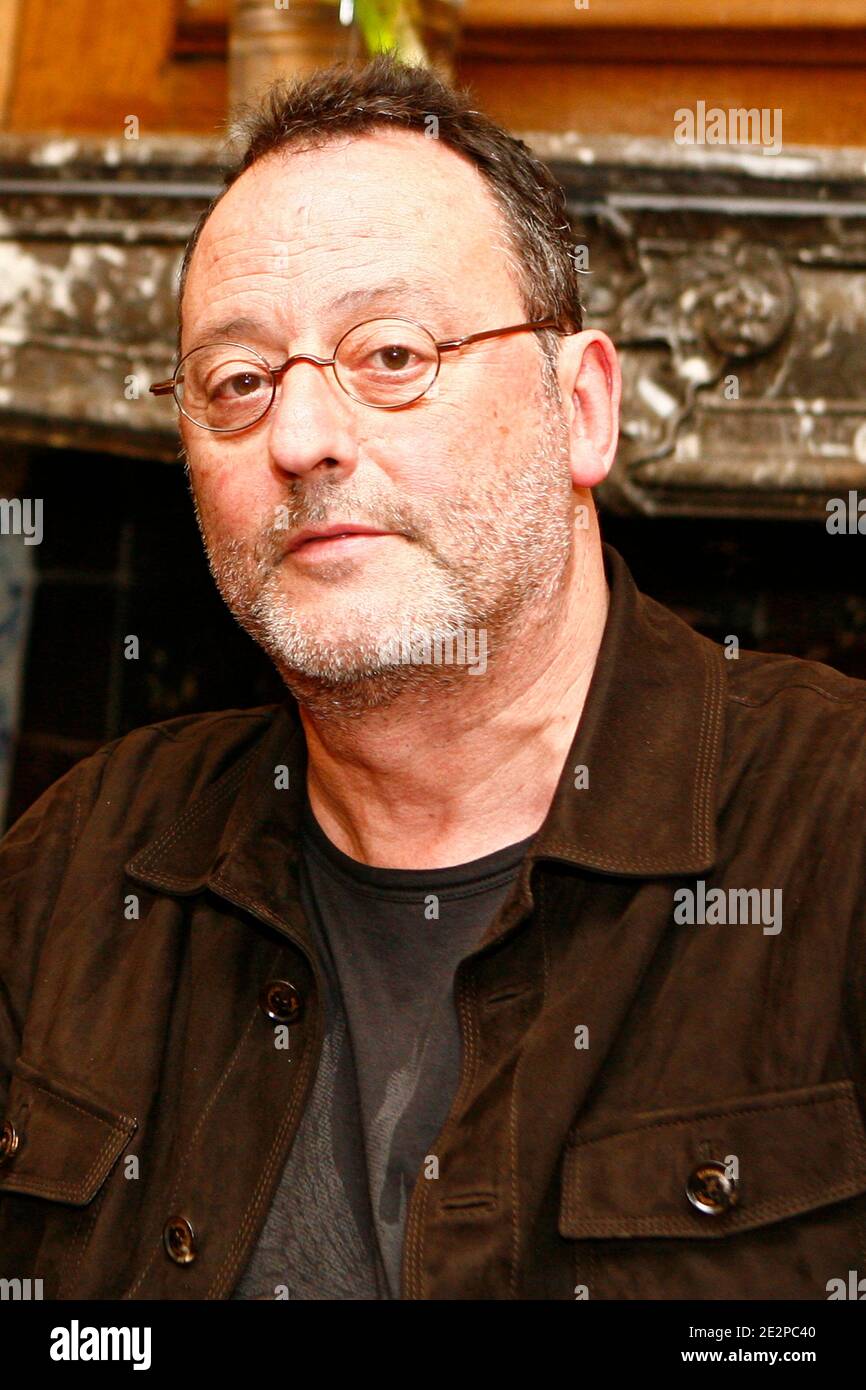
x=311, y=423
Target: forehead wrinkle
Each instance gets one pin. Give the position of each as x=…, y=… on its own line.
x=294, y=259
x=413, y=294
x=220, y=263
x=232, y=261
x=305, y=205
x=309, y=206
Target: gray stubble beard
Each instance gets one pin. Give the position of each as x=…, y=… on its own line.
x=532, y=547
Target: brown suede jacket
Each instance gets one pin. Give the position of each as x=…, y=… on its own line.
x=663, y=1080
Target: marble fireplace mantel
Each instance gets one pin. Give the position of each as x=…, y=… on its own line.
x=733, y=282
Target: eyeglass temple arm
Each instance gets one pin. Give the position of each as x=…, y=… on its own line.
x=162, y=388
x=454, y=343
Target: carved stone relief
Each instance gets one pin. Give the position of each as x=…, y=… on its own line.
x=733, y=285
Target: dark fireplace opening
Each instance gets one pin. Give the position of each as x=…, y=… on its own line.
x=120, y=558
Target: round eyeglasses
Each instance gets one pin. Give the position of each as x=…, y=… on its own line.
x=384, y=363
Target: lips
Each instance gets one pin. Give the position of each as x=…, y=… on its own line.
x=347, y=528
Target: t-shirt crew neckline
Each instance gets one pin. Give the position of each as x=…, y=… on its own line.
x=475, y=874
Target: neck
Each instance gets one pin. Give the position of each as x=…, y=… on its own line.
x=470, y=767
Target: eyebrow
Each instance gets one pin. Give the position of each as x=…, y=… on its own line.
x=422, y=292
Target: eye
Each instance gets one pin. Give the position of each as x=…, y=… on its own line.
x=386, y=361
x=239, y=384
x=395, y=356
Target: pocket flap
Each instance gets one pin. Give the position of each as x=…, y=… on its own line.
x=65, y=1143
x=793, y=1151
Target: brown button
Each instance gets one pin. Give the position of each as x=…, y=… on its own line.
x=280, y=1001
x=179, y=1238
x=8, y=1141
x=710, y=1190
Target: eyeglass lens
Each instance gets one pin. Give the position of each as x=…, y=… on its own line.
x=387, y=362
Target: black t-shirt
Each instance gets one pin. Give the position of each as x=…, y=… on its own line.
x=390, y=941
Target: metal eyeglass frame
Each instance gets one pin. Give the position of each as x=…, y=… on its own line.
x=165, y=388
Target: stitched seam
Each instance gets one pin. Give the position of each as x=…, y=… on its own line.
x=76, y=820
x=709, y=746
x=83, y=1232
x=76, y=823
x=198, y=808
x=754, y=703
x=74, y=1243
x=418, y=1229
x=194, y=723
x=593, y=859
x=220, y=1086
x=121, y=1119
x=854, y=1120
x=416, y=1280
x=854, y=1132
x=120, y=1128
x=220, y=791
x=514, y=1282
x=513, y=1139
x=221, y=1280
x=216, y=1092
x=738, y=1221
x=411, y=1228
x=769, y=1207
x=251, y=816
x=717, y=1114
x=467, y=1031
x=216, y=793
x=702, y=759
x=48, y=914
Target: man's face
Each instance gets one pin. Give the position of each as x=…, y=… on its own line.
x=470, y=484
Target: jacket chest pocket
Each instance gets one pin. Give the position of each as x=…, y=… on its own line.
x=763, y=1197
x=57, y=1149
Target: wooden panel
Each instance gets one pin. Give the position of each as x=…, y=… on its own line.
x=648, y=14
x=8, y=51
x=576, y=43
x=821, y=106
x=746, y=47
x=87, y=64
x=196, y=98
x=818, y=106
x=605, y=14
x=212, y=12
x=84, y=65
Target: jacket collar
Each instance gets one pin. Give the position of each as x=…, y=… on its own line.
x=649, y=737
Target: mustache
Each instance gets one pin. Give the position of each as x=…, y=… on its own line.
x=329, y=506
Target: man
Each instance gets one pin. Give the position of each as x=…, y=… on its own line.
x=519, y=953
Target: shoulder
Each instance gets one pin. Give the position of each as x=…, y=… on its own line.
x=807, y=714
x=217, y=735
x=161, y=765
x=177, y=759
x=758, y=678
x=793, y=688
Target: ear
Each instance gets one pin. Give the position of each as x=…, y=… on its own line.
x=591, y=385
